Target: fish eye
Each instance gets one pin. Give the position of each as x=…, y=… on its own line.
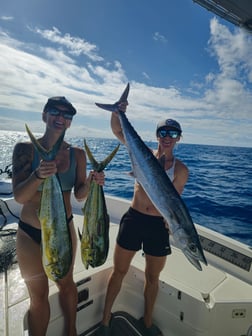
x=193, y=248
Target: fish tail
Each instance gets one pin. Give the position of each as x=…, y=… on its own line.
x=115, y=107
x=45, y=154
x=106, y=161
x=92, y=160
x=100, y=166
x=125, y=94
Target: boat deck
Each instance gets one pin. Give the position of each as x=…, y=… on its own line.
x=189, y=302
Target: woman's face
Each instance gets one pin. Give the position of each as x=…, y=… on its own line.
x=168, y=137
x=58, y=118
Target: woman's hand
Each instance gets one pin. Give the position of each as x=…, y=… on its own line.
x=46, y=169
x=98, y=178
x=123, y=106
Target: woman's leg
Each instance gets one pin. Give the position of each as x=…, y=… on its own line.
x=154, y=265
x=30, y=263
x=122, y=260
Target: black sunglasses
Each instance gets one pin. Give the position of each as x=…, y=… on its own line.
x=53, y=111
x=162, y=133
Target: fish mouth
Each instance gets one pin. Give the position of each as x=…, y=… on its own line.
x=194, y=255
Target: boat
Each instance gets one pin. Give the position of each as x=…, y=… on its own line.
x=216, y=301
x=238, y=12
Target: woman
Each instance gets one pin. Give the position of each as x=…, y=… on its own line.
x=29, y=171
x=143, y=227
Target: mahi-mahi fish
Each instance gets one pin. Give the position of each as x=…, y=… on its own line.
x=148, y=172
x=95, y=234
x=56, y=241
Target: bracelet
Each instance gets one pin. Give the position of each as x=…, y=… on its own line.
x=37, y=176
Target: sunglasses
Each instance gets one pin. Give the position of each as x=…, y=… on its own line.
x=56, y=112
x=162, y=133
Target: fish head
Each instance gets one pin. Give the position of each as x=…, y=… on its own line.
x=191, y=247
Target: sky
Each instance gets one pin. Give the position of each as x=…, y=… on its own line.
x=181, y=61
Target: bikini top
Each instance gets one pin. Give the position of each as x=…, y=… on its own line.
x=170, y=171
x=67, y=178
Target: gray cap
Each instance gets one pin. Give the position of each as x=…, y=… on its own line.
x=169, y=123
x=60, y=101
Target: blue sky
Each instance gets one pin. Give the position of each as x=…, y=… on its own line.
x=182, y=62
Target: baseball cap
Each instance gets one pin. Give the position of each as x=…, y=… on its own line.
x=169, y=123
x=60, y=101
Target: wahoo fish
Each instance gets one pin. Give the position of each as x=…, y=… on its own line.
x=157, y=185
x=95, y=235
x=56, y=241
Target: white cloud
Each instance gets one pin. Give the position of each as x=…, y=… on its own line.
x=232, y=50
x=159, y=37
x=7, y=18
x=75, y=45
x=218, y=111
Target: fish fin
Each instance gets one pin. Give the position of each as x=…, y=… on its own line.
x=91, y=158
x=35, y=142
x=106, y=161
x=124, y=95
x=131, y=174
x=108, y=107
x=45, y=154
x=115, y=107
x=80, y=235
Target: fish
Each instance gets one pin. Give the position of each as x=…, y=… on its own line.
x=56, y=243
x=95, y=234
x=152, y=177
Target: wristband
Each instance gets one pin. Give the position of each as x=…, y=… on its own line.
x=37, y=176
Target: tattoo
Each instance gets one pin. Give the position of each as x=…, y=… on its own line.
x=22, y=158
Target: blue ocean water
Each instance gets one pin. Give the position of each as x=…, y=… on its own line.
x=218, y=193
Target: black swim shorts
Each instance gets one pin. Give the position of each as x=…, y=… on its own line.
x=138, y=230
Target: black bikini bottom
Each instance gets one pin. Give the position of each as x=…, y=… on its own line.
x=33, y=232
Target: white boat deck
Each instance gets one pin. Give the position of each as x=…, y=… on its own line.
x=211, y=303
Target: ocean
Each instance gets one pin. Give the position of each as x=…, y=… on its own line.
x=218, y=193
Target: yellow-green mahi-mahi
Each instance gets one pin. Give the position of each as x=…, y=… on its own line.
x=56, y=240
x=95, y=234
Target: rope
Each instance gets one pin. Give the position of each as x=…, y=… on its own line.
x=7, y=239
